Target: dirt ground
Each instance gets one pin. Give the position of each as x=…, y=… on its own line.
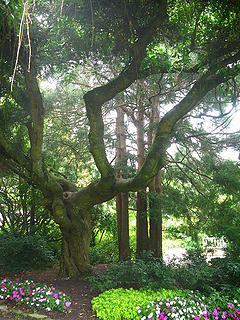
x=78, y=290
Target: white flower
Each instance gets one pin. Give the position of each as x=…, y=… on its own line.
x=57, y=301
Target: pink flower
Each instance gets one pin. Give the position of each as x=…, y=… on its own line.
x=215, y=312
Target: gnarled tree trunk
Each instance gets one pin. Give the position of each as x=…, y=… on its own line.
x=75, y=242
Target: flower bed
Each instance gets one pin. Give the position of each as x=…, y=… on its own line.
x=193, y=306
x=34, y=295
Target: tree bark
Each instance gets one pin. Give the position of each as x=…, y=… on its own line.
x=123, y=226
x=155, y=220
x=155, y=212
x=75, y=243
x=122, y=197
x=142, y=222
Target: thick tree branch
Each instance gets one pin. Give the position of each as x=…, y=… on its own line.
x=155, y=159
x=35, y=128
x=95, y=98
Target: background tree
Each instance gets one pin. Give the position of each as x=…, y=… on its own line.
x=122, y=198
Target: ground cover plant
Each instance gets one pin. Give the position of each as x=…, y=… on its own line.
x=164, y=304
x=34, y=295
x=122, y=303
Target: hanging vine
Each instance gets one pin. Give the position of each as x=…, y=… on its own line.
x=25, y=21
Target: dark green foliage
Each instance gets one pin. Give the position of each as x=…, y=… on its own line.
x=104, y=252
x=226, y=273
x=52, y=237
x=192, y=273
x=104, y=222
x=9, y=9
x=138, y=274
x=24, y=252
x=206, y=201
x=65, y=114
x=104, y=243
x=221, y=274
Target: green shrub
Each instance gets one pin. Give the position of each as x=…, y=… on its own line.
x=222, y=274
x=226, y=271
x=194, y=273
x=118, y=304
x=104, y=252
x=24, y=252
x=51, y=234
x=137, y=274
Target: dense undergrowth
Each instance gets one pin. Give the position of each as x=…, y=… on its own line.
x=162, y=291
x=20, y=252
x=192, y=273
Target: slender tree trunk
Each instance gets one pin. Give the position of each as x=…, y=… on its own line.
x=32, y=211
x=122, y=198
x=142, y=222
x=123, y=226
x=155, y=212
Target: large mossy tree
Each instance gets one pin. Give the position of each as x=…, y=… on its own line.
x=194, y=42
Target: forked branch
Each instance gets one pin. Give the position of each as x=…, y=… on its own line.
x=95, y=98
